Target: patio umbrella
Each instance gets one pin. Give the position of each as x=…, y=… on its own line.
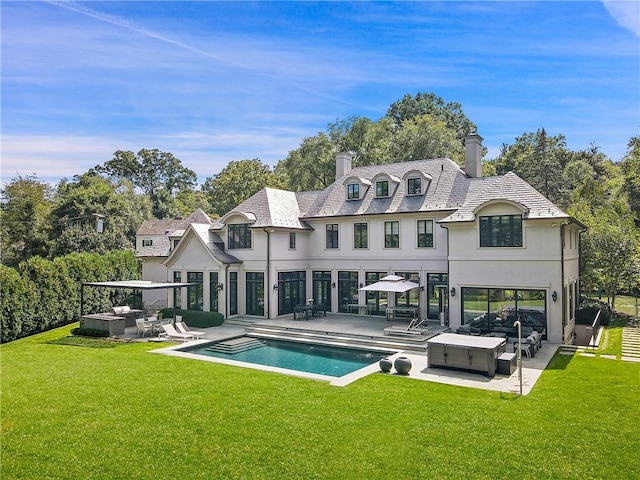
x=391, y=283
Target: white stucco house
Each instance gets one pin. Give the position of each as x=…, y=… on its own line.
x=484, y=251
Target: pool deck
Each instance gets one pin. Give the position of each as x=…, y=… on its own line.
x=372, y=327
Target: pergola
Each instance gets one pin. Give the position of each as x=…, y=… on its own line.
x=131, y=284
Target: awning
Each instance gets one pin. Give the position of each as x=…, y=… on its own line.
x=391, y=283
x=131, y=284
x=138, y=284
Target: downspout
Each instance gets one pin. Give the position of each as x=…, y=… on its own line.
x=267, y=290
x=447, y=322
x=226, y=295
x=563, y=302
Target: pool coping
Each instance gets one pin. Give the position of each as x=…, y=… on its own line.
x=177, y=351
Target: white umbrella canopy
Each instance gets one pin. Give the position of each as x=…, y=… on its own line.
x=391, y=283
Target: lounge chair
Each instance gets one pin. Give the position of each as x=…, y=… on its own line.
x=184, y=328
x=171, y=332
x=415, y=328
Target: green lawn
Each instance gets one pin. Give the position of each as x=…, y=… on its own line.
x=626, y=304
x=76, y=412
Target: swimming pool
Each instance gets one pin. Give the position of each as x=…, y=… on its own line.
x=311, y=358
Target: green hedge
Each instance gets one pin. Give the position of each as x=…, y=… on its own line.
x=195, y=318
x=43, y=294
x=89, y=332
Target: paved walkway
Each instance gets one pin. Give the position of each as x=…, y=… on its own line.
x=631, y=344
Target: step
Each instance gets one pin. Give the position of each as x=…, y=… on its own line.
x=236, y=345
x=336, y=339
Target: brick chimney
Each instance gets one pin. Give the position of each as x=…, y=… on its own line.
x=473, y=155
x=343, y=164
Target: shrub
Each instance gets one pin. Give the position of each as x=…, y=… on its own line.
x=195, y=318
x=89, y=332
x=587, y=313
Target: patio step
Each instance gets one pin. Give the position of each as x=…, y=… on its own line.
x=337, y=339
x=240, y=322
x=236, y=345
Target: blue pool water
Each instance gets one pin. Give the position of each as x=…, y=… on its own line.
x=319, y=359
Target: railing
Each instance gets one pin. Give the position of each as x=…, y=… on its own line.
x=587, y=334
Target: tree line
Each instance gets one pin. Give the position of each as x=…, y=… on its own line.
x=40, y=220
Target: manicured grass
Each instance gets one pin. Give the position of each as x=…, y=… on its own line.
x=611, y=341
x=626, y=304
x=107, y=413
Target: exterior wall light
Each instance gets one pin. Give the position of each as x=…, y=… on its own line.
x=554, y=296
x=453, y=291
x=361, y=285
x=275, y=286
x=333, y=284
x=220, y=286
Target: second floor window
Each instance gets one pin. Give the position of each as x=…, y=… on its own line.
x=332, y=235
x=382, y=188
x=360, y=235
x=391, y=234
x=239, y=236
x=147, y=243
x=501, y=231
x=353, y=191
x=414, y=186
x=292, y=240
x=425, y=233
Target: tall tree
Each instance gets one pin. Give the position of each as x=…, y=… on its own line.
x=451, y=113
x=188, y=201
x=540, y=160
x=24, y=219
x=311, y=166
x=158, y=174
x=423, y=137
x=611, y=253
x=631, y=171
x=78, y=201
x=237, y=182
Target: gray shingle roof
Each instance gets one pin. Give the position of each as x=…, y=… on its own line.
x=450, y=190
x=274, y=208
x=214, y=243
x=162, y=227
x=504, y=187
x=446, y=191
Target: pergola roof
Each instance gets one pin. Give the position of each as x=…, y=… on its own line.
x=138, y=284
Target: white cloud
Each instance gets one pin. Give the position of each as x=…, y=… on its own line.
x=53, y=157
x=626, y=13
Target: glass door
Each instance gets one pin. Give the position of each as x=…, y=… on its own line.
x=322, y=289
x=255, y=293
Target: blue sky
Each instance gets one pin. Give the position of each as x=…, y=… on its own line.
x=213, y=82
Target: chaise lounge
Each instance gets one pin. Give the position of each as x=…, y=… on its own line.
x=171, y=332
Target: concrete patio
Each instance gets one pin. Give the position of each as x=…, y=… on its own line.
x=371, y=328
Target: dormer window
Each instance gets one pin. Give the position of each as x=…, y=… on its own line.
x=382, y=188
x=414, y=186
x=416, y=182
x=353, y=191
x=147, y=242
